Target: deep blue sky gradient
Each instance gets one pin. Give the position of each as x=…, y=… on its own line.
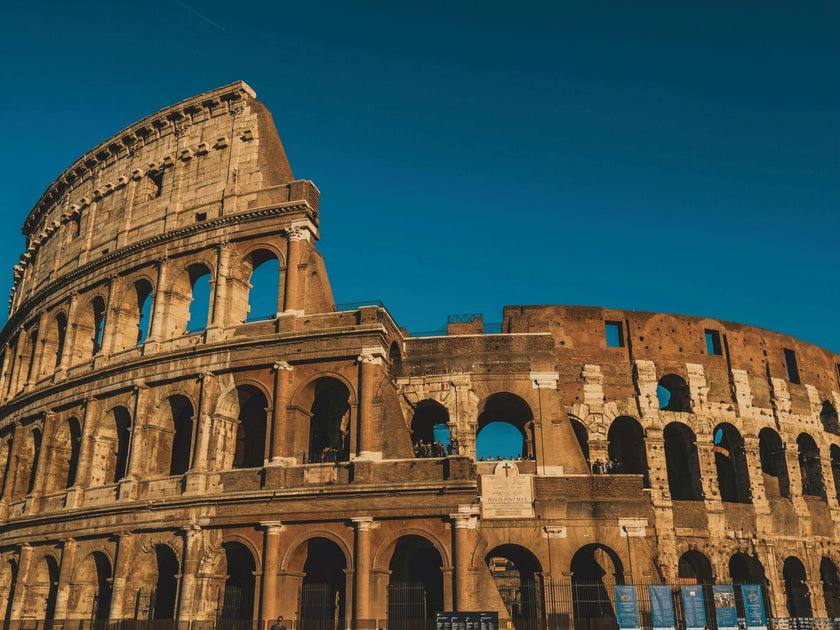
x=651, y=155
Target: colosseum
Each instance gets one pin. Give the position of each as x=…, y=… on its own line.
x=170, y=457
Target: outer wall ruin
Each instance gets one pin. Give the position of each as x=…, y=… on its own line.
x=247, y=469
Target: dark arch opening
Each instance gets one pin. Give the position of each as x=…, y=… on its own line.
x=61, y=335
x=673, y=393
x=627, y=447
x=250, y=432
x=682, y=462
x=771, y=451
x=264, y=280
x=429, y=426
x=744, y=569
x=810, y=466
x=36, y=459
x=595, y=570
x=828, y=417
x=102, y=599
x=182, y=420
x=831, y=587
x=582, y=437
x=415, y=585
x=797, y=595
x=695, y=568
x=122, y=421
x=517, y=574
x=329, y=425
x=167, y=584
x=322, y=595
x=733, y=475
x=240, y=584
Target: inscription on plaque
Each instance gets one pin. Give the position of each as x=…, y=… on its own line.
x=506, y=493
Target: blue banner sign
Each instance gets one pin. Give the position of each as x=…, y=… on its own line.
x=693, y=609
x=754, y=607
x=727, y=616
x=661, y=607
x=626, y=607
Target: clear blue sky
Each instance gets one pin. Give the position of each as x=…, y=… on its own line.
x=667, y=156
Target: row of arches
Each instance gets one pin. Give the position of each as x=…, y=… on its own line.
x=139, y=306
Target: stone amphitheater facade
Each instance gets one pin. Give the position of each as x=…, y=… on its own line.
x=250, y=469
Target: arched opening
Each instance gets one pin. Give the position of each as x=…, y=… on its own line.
x=797, y=595
x=66, y=444
x=733, y=475
x=42, y=589
x=92, y=588
x=694, y=568
x=582, y=437
x=322, y=595
x=510, y=409
x=8, y=581
x=828, y=417
x=627, y=447
x=810, y=466
x=673, y=394
x=240, y=584
x=198, y=315
x=831, y=587
x=264, y=284
x=744, y=569
x=596, y=569
x=771, y=451
x=250, y=430
x=329, y=423
x=415, y=585
x=430, y=429
x=166, y=585
x=517, y=574
x=182, y=421
x=122, y=426
x=835, y=469
x=682, y=462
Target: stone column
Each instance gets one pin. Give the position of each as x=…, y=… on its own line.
x=271, y=562
x=70, y=335
x=19, y=595
x=361, y=580
x=38, y=355
x=159, y=313
x=125, y=549
x=369, y=361
x=462, y=522
x=189, y=569
x=68, y=561
x=279, y=438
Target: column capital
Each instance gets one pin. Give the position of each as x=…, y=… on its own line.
x=362, y=523
x=272, y=527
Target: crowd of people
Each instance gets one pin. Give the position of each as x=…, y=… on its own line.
x=607, y=467
x=435, y=449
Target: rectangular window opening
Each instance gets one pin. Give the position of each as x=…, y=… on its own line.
x=792, y=368
x=713, y=345
x=615, y=334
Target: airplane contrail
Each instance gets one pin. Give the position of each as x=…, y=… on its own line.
x=203, y=17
